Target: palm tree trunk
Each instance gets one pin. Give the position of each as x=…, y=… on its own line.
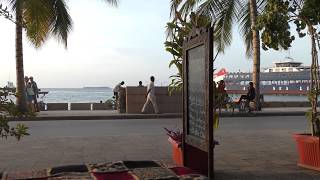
x=256, y=50
x=314, y=83
x=21, y=98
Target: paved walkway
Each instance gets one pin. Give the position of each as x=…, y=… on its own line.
x=259, y=148
x=109, y=114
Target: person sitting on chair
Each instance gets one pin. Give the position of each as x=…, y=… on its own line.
x=222, y=91
x=221, y=87
x=250, y=95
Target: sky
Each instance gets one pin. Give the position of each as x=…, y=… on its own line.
x=108, y=45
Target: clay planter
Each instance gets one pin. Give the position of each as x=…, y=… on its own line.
x=309, y=151
x=176, y=152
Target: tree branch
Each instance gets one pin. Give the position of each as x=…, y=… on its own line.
x=6, y=14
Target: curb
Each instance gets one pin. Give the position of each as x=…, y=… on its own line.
x=110, y=117
x=263, y=114
x=157, y=116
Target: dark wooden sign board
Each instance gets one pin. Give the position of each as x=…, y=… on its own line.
x=197, y=105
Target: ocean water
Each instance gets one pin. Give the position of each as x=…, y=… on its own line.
x=92, y=95
x=75, y=95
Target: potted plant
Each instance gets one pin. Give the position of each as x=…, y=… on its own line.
x=175, y=138
x=275, y=25
x=308, y=145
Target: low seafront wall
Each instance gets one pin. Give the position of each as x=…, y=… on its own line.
x=76, y=106
x=135, y=97
x=136, y=100
x=285, y=104
x=167, y=103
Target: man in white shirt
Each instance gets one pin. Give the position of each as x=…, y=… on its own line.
x=116, y=93
x=151, y=97
x=116, y=89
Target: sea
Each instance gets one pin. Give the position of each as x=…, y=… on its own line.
x=95, y=95
x=76, y=95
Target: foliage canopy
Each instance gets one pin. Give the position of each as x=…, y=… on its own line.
x=276, y=22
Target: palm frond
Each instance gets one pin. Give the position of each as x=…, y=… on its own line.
x=261, y=4
x=245, y=27
x=174, y=4
x=112, y=2
x=13, y=4
x=35, y=17
x=224, y=23
x=60, y=23
x=210, y=9
x=187, y=7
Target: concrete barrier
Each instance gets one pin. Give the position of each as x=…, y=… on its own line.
x=100, y=106
x=136, y=97
x=285, y=104
x=80, y=106
x=57, y=106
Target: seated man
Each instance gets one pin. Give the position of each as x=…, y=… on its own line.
x=250, y=95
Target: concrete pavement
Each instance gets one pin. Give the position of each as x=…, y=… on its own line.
x=251, y=147
x=110, y=114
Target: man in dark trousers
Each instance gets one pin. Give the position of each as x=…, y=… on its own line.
x=250, y=95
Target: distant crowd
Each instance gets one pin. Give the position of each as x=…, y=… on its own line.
x=32, y=93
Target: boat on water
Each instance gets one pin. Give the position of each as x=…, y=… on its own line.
x=285, y=77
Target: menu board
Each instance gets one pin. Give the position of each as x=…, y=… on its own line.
x=196, y=91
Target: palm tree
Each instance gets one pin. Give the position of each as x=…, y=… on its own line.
x=40, y=19
x=224, y=14
x=256, y=49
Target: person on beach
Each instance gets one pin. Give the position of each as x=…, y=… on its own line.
x=251, y=94
x=36, y=94
x=140, y=84
x=151, y=97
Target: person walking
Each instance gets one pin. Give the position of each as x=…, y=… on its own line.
x=151, y=97
x=35, y=97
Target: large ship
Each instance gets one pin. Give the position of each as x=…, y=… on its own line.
x=285, y=77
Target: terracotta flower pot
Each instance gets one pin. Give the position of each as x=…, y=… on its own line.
x=176, y=152
x=309, y=151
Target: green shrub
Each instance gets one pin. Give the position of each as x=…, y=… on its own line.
x=9, y=111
